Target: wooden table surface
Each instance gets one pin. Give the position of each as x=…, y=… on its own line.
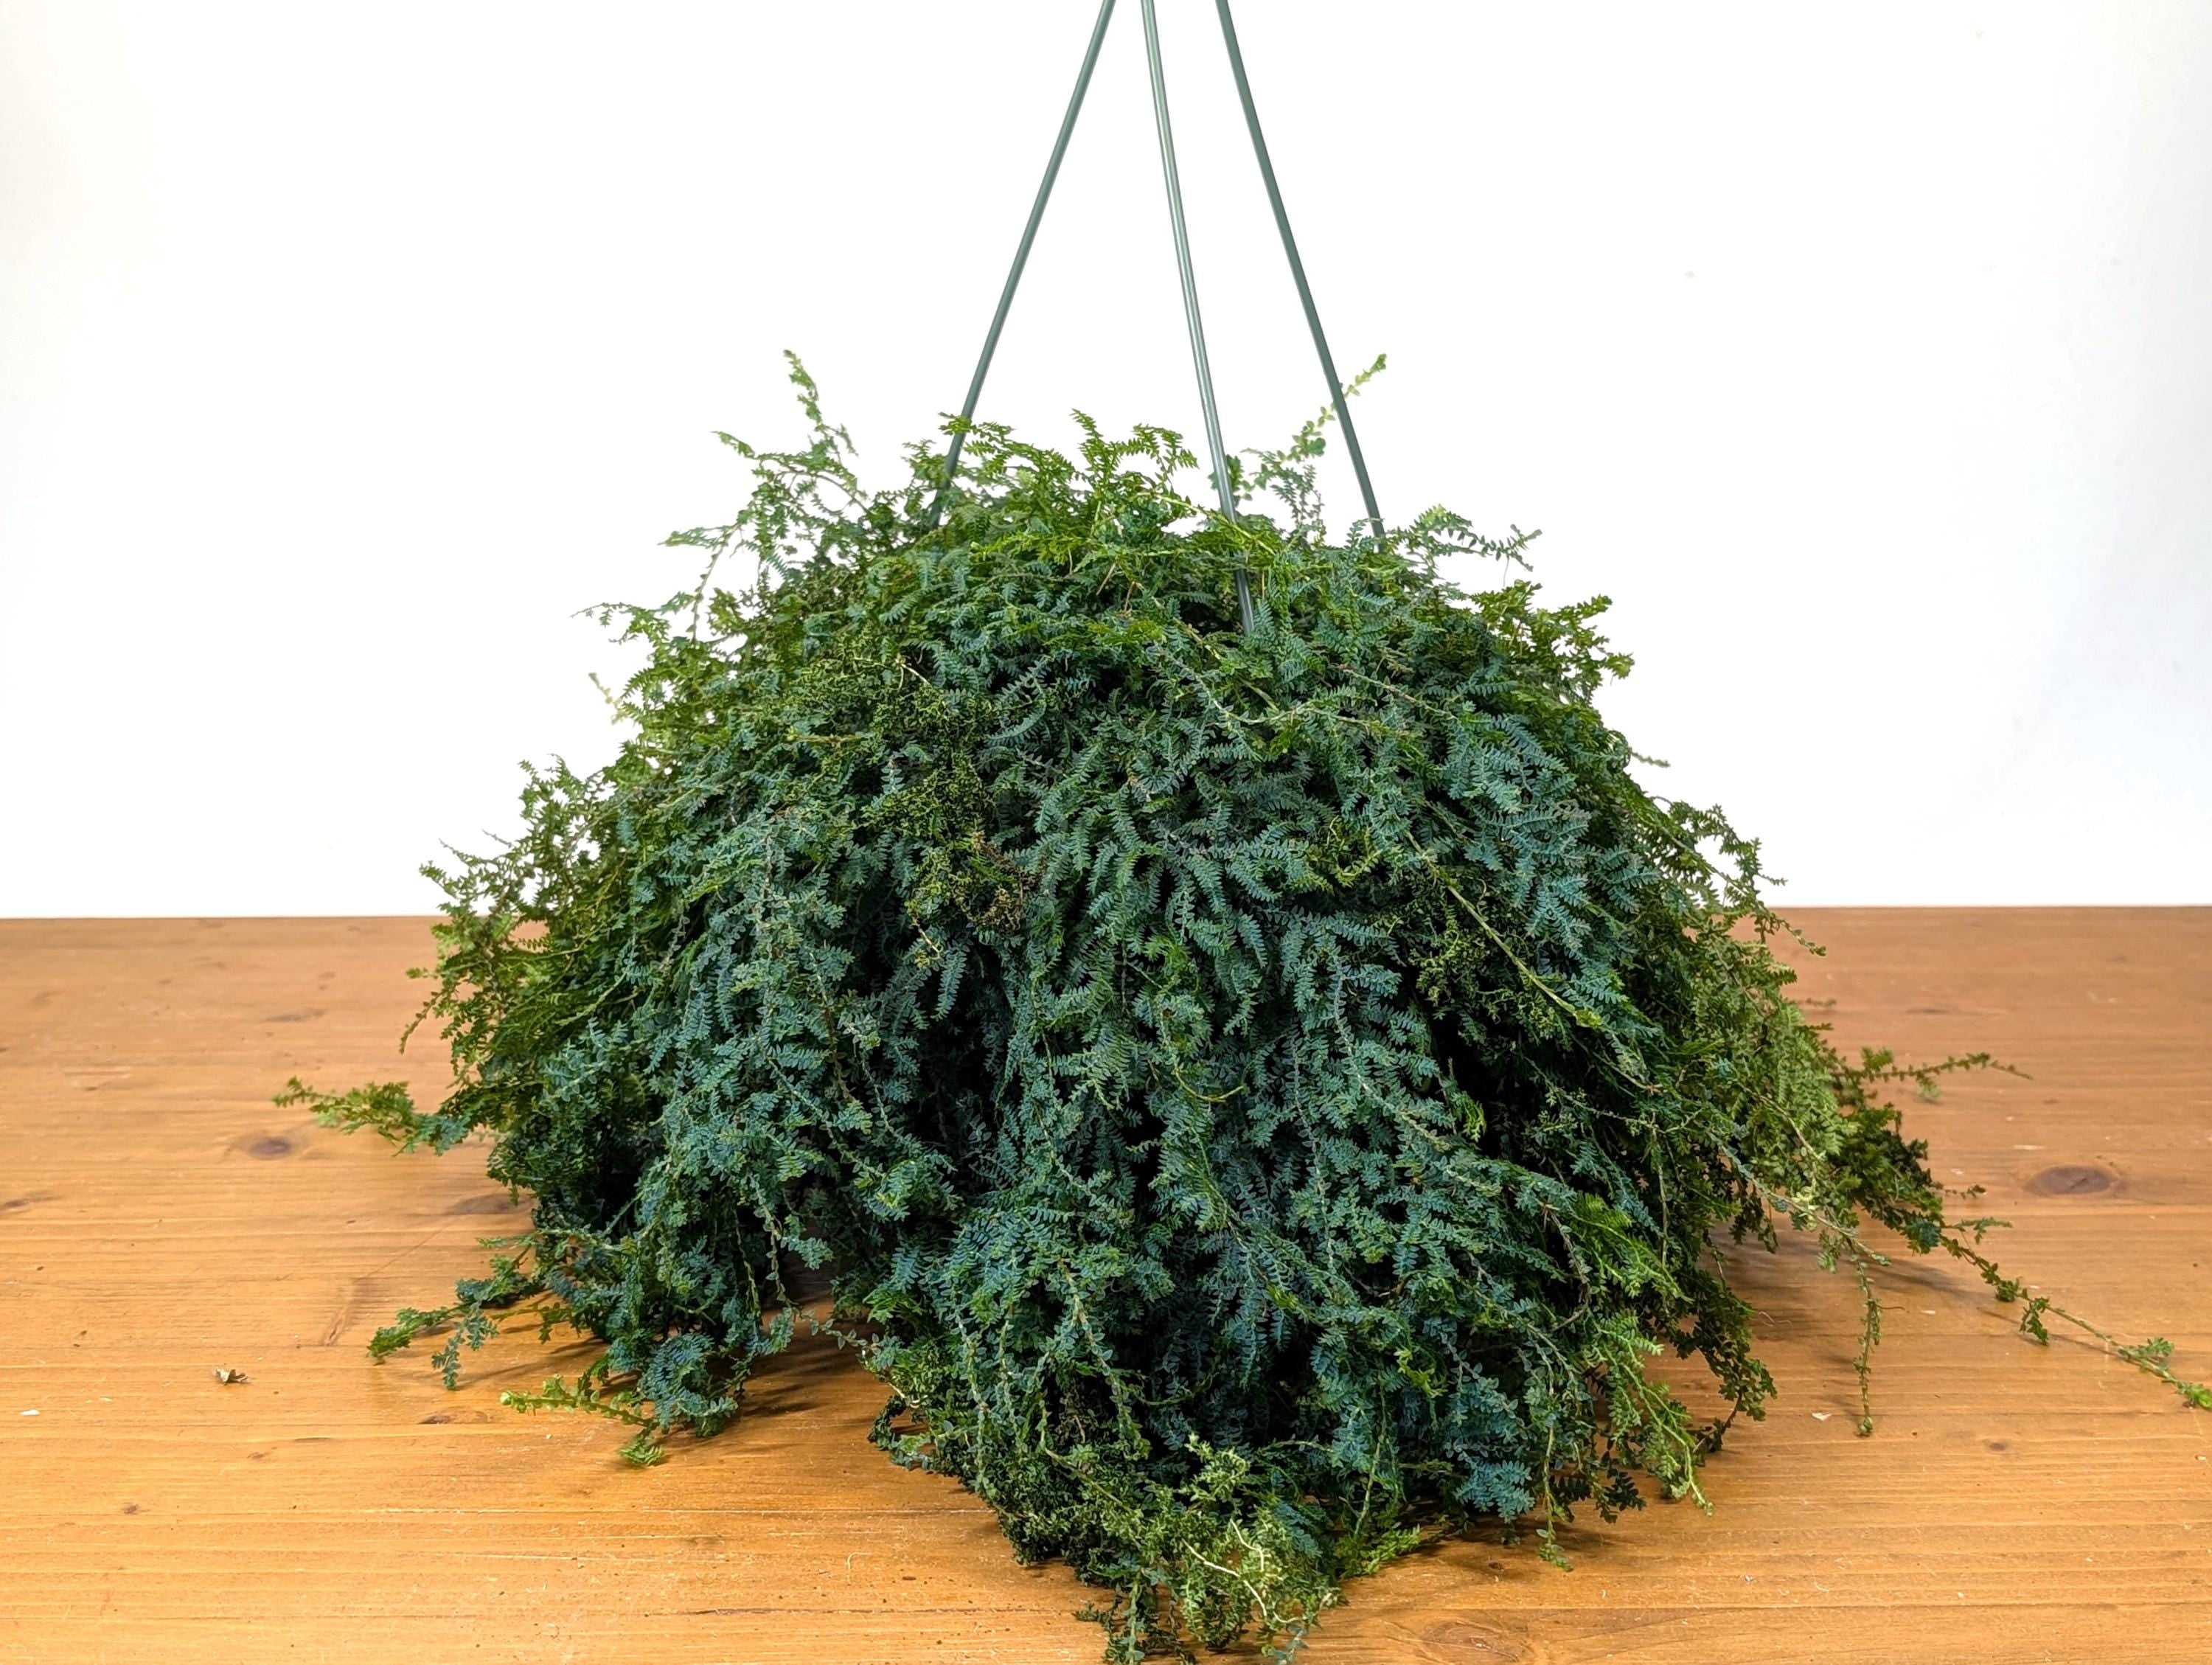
x=160, y=1220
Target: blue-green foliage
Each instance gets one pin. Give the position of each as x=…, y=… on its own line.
x=1263, y=1098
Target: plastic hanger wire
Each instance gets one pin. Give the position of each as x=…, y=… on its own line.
x=1198, y=359
x=1216, y=453
x=1297, y=266
x=1021, y=258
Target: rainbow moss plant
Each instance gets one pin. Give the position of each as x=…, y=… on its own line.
x=1264, y=1098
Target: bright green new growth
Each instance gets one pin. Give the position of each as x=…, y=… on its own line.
x=1265, y=1098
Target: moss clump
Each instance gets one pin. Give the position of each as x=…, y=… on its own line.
x=1265, y=1097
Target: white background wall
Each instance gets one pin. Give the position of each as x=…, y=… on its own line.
x=1862, y=354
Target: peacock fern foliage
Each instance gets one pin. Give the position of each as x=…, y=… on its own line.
x=1264, y=1098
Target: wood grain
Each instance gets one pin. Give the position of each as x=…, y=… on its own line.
x=160, y=1220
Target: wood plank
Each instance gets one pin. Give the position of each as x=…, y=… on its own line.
x=158, y=1219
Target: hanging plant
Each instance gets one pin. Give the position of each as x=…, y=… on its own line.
x=1265, y=1098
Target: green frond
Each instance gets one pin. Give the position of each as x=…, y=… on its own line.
x=1263, y=1101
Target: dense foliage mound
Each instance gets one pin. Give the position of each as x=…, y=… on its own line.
x=1263, y=1098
